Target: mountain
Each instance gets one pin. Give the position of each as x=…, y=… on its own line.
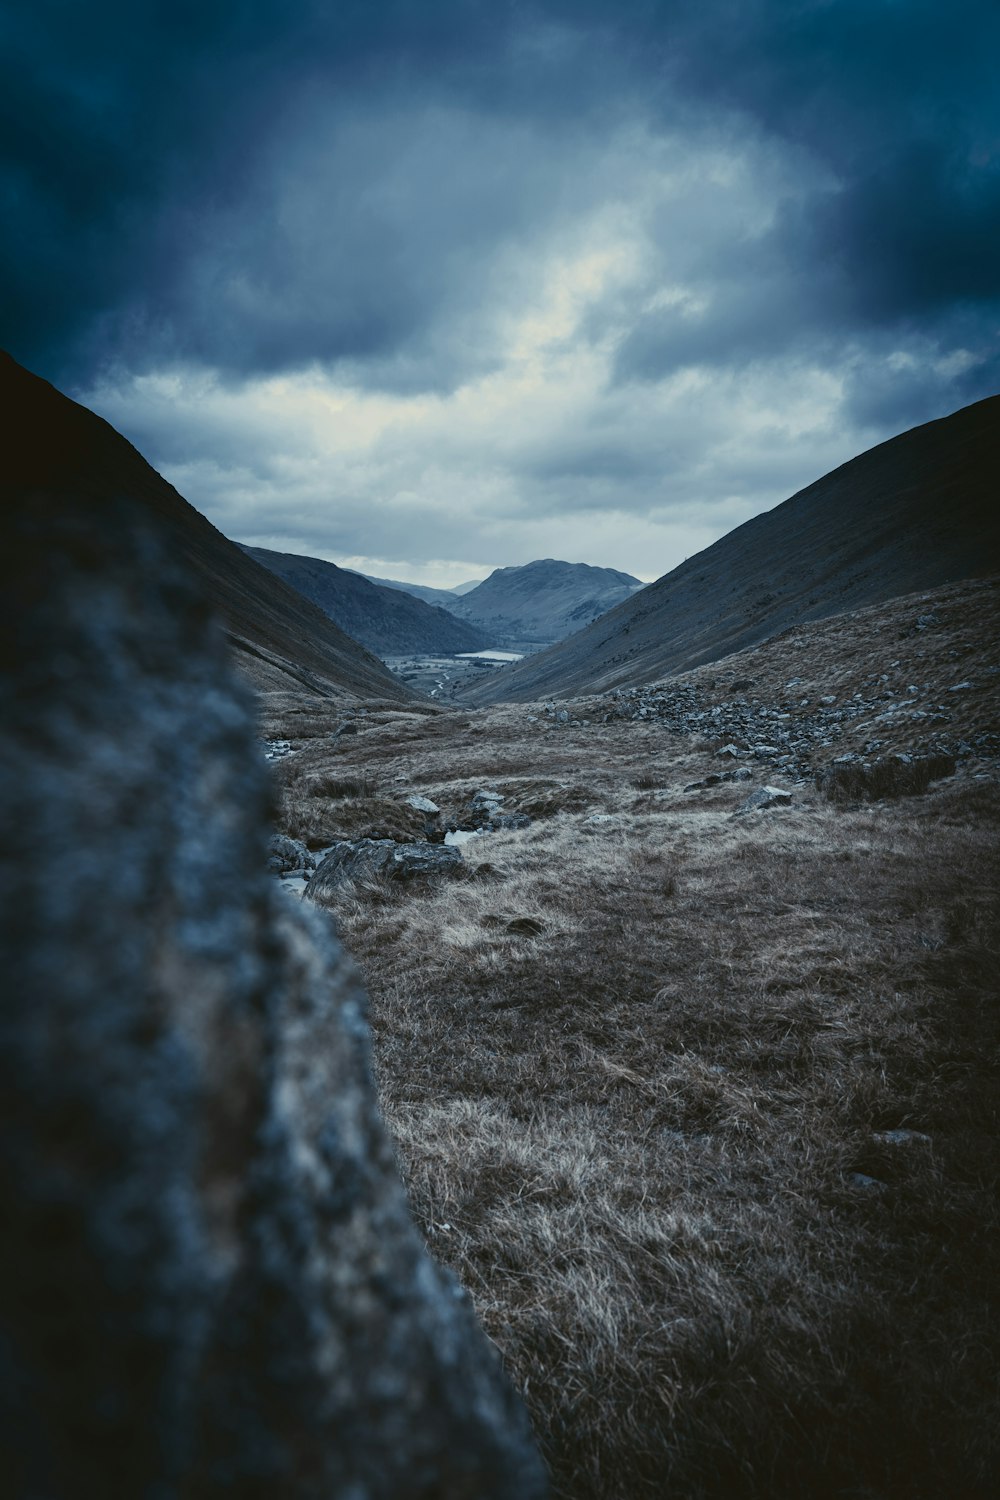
x=280, y=639
x=918, y=511
x=388, y=621
x=444, y=598
x=466, y=588
x=542, y=601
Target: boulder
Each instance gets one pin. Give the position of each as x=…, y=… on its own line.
x=422, y=804
x=501, y=822
x=211, y=1283
x=763, y=798
x=285, y=855
x=363, y=859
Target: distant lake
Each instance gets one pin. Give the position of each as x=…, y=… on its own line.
x=491, y=655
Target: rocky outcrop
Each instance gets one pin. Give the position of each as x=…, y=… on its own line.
x=763, y=798
x=484, y=812
x=287, y=856
x=364, y=859
x=210, y=1283
x=794, y=736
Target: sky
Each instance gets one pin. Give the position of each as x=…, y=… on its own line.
x=427, y=288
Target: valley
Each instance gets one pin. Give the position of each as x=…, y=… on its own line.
x=500, y=751
x=445, y=677
x=697, y=1096
x=679, y=939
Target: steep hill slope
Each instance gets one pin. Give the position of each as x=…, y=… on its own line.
x=442, y=597
x=280, y=639
x=389, y=621
x=542, y=601
x=920, y=510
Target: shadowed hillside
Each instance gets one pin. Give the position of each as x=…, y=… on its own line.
x=389, y=621
x=920, y=510
x=280, y=639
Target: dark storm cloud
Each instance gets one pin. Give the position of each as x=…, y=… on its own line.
x=252, y=187
x=897, y=106
x=126, y=129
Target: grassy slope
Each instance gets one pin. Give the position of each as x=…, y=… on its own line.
x=281, y=641
x=916, y=512
x=650, y=1138
x=386, y=621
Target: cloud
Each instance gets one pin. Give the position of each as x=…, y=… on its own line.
x=487, y=282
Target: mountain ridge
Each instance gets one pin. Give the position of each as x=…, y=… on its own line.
x=279, y=639
x=542, y=601
x=921, y=509
x=388, y=621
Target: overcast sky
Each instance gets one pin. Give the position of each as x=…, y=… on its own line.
x=429, y=288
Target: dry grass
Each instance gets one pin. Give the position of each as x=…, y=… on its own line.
x=647, y=1124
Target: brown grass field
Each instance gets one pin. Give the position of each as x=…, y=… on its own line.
x=712, y=1140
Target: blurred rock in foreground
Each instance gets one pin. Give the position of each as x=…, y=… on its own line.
x=210, y=1283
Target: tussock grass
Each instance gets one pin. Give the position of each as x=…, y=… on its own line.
x=889, y=776
x=710, y=1133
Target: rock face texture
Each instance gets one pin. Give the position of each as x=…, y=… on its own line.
x=363, y=859
x=210, y=1283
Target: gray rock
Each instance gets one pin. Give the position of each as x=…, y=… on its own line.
x=501, y=822
x=600, y=822
x=422, y=804
x=212, y=1286
x=763, y=798
x=483, y=801
x=901, y=1137
x=866, y=1184
x=483, y=810
x=276, y=749
x=363, y=859
x=285, y=855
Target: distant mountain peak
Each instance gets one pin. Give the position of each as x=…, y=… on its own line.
x=532, y=604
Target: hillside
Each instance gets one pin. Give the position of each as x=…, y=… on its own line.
x=442, y=597
x=388, y=620
x=920, y=510
x=542, y=601
x=280, y=639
